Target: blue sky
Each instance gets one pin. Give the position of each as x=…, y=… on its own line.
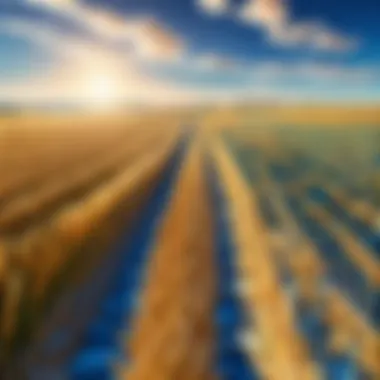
x=189, y=50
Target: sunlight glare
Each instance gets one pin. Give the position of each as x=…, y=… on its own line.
x=102, y=91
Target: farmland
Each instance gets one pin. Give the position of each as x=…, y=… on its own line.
x=231, y=243
x=315, y=192
x=61, y=186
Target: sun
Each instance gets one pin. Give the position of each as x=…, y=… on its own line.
x=102, y=90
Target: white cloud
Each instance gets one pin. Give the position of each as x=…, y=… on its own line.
x=313, y=35
x=274, y=17
x=270, y=14
x=326, y=39
x=74, y=52
x=213, y=7
x=150, y=39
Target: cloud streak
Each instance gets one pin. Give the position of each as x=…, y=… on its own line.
x=153, y=41
x=213, y=7
x=149, y=39
x=275, y=19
